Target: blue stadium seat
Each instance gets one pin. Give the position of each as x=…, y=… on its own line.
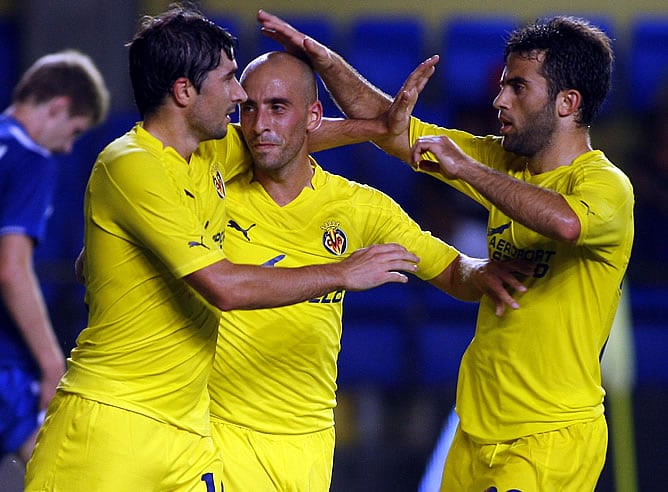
x=385, y=49
x=391, y=303
x=647, y=62
x=340, y=160
x=472, y=59
x=9, y=59
x=386, y=173
x=440, y=346
x=372, y=354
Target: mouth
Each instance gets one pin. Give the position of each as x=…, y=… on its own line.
x=506, y=125
x=265, y=142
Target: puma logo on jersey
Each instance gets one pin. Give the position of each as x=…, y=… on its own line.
x=497, y=230
x=589, y=212
x=273, y=261
x=237, y=227
x=192, y=244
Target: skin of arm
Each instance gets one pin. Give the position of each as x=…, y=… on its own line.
x=228, y=285
x=356, y=96
x=389, y=130
x=232, y=286
x=539, y=209
x=468, y=279
x=23, y=298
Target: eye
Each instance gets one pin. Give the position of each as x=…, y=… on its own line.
x=518, y=88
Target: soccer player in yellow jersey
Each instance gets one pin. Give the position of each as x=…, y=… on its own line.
x=132, y=411
x=529, y=395
x=273, y=386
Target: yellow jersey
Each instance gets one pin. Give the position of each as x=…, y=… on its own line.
x=537, y=368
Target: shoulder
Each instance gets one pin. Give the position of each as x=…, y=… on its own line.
x=595, y=166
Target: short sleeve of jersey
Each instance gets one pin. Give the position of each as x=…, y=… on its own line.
x=147, y=201
x=602, y=197
x=394, y=225
x=27, y=182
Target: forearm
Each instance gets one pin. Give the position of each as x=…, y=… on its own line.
x=231, y=286
x=355, y=95
x=539, y=209
x=336, y=132
x=23, y=298
x=456, y=280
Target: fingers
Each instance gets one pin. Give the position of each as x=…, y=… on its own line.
x=277, y=29
x=398, y=118
x=427, y=166
x=502, y=293
x=419, y=77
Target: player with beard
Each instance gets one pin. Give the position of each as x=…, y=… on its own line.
x=529, y=395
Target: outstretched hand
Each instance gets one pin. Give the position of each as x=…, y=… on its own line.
x=398, y=115
x=376, y=265
x=294, y=41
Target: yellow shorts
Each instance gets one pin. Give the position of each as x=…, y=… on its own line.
x=88, y=446
x=258, y=462
x=567, y=460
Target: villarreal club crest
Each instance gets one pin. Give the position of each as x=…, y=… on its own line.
x=219, y=184
x=334, y=239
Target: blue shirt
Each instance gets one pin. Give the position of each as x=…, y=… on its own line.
x=27, y=182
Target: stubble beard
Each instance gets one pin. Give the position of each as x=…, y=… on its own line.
x=536, y=135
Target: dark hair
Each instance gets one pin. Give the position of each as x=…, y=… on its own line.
x=578, y=56
x=65, y=73
x=180, y=42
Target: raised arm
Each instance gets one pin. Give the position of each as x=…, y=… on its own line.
x=389, y=131
x=353, y=93
x=356, y=96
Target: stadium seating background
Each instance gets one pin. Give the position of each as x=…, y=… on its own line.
x=401, y=343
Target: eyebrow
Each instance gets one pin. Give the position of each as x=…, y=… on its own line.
x=514, y=80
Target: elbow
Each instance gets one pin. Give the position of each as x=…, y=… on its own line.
x=569, y=230
x=228, y=302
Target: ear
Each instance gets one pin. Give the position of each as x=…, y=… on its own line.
x=183, y=91
x=314, y=116
x=59, y=105
x=568, y=102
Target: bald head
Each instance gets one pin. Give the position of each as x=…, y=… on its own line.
x=289, y=69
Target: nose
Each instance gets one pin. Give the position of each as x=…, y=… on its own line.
x=500, y=100
x=239, y=94
x=261, y=120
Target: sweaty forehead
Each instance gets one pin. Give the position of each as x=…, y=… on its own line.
x=524, y=65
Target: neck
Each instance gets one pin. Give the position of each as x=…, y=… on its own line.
x=285, y=184
x=561, y=151
x=31, y=118
x=172, y=132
